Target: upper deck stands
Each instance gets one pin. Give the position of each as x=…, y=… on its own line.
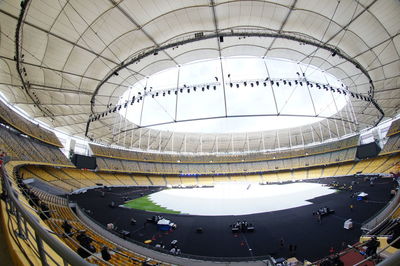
x=394, y=128
x=108, y=164
x=108, y=152
x=27, y=127
x=21, y=148
x=392, y=145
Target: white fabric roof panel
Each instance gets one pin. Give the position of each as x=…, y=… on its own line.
x=186, y=53
x=163, y=28
x=127, y=44
x=156, y=8
x=74, y=45
x=8, y=73
x=388, y=15
x=386, y=51
x=369, y=29
x=248, y=50
x=205, y=53
x=36, y=48
x=151, y=65
x=57, y=52
x=75, y=63
x=11, y=7
x=396, y=42
x=43, y=14
x=245, y=42
x=98, y=68
x=7, y=36
x=312, y=24
x=392, y=69
x=255, y=13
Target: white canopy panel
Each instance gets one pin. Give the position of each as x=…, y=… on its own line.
x=68, y=51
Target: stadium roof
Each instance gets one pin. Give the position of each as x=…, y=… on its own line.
x=64, y=60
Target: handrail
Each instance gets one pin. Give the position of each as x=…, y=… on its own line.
x=388, y=261
x=391, y=261
x=67, y=236
x=344, y=252
x=129, y=243
x=384, y=214
x=68, y=255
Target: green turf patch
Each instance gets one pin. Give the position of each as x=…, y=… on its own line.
x=146, y=204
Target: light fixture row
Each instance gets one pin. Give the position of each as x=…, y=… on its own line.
x=300, y=81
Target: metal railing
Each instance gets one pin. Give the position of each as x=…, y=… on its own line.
x=36, y=234
x=383, y=215
x=128, y=243
x=392, y=260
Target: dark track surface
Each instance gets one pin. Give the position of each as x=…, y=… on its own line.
x=297, y=226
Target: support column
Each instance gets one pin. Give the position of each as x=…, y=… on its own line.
x=272, y=88
x=223, y=86
x=148, y=139
x=176, y=94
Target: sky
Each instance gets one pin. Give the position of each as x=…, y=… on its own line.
x=265, y=107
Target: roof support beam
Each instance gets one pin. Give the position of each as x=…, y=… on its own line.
x=212, y=5
x=234, y=116
x=54, y=104
x=18, y=56
x=236, y=33
x=60, y=37
x=282, y=25
x=129, y=17
x=63, y=72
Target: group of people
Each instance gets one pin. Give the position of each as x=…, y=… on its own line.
x=86, y=242
x=292, y=248
x=33, y=199
x=242, y=226
x=337, y=185
x=174, y=248
x=333, y=260
x=154, y=219
x=323, y=211
x=372, y=245
x=86, y=247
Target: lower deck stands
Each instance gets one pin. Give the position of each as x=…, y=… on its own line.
x=60, y=213
x=72, y=179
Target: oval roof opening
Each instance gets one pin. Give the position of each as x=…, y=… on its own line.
x=232, y=95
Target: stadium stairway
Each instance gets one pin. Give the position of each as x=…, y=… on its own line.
x=354, y=257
